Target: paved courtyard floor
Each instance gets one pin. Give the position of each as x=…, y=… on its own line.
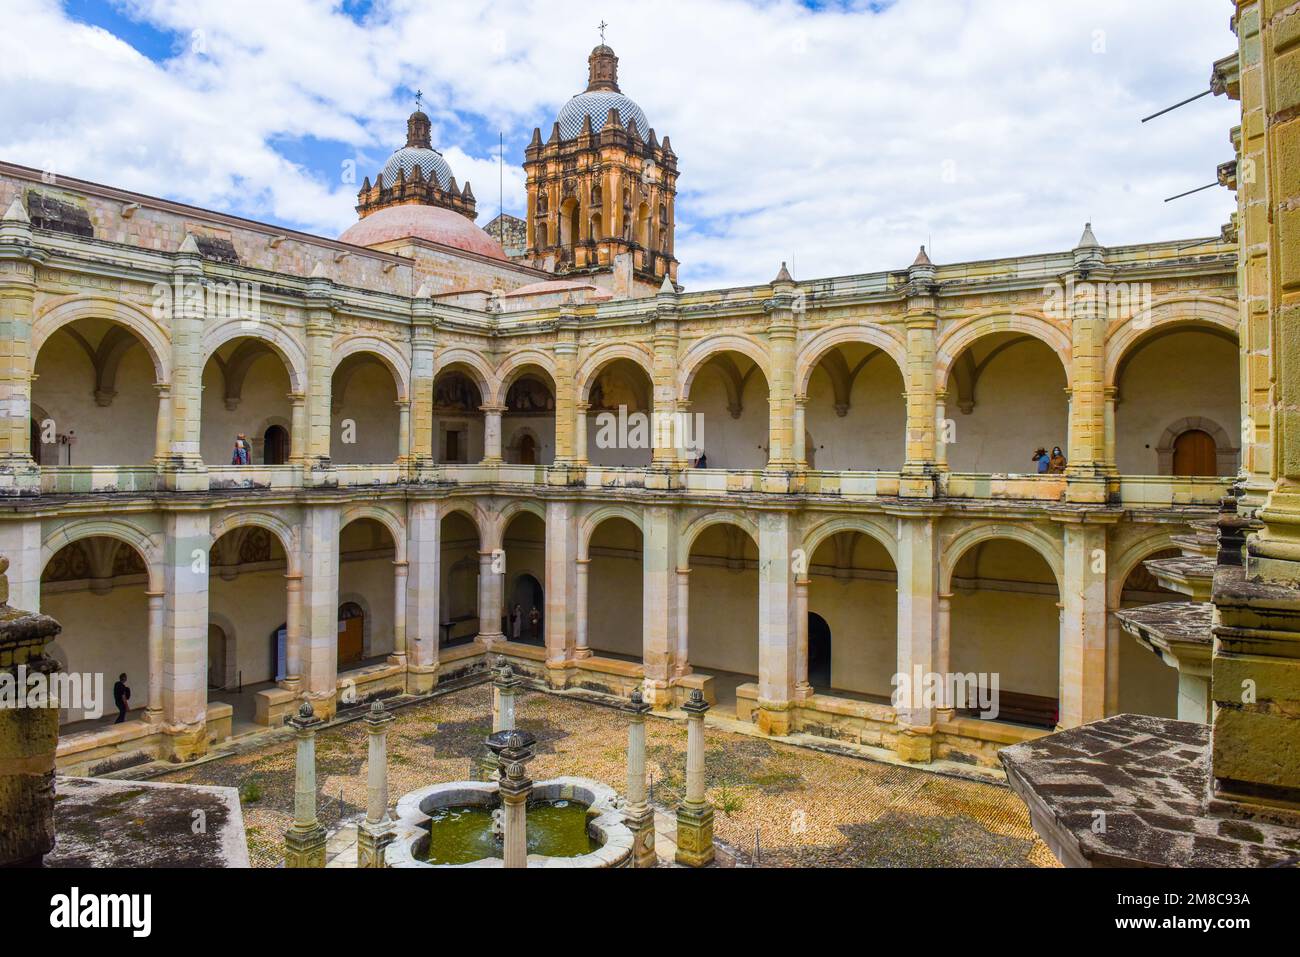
x=806, y=808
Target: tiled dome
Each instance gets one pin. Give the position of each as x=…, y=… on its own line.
x=596, y=104
x=429, y=161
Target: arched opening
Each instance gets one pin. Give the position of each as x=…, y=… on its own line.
x=93, y=397
x=1195, y=454
x=730, y=392
x=275, y=445
x=1005, y=377
x=569, y=222
x=1006, y=621
x=524, y=610
x=1172, y=383
x=222, y=658
x=459, y=587
x=96, y=589
x=1146, y=684
x=615, y=573
x=819, y=652
x=643, y=225
x=528, y=423
x=722, y=611
x=620, y=416
x=857, y=409
x=245, y=384
x=364, y=418
x=457, y=418
x=366, y=593
x=247, y=595
x=852, y=591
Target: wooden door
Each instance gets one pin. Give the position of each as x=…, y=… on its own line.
x=351, y=635
x=1195, y=454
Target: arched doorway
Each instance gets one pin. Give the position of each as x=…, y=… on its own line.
x=527, y=607
x=528, y=422
x=352, y=635
x=457, y=418
x=527, y=450
x=819, y=651
x=275, y=445
x=1195, y=454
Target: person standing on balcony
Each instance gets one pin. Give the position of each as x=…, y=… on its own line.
x=1057, y=464
x=240, y=454
x=1042, y=458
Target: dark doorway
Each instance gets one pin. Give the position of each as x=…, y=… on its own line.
x=275, y=446
x=279, y=653
x=525, y=599
x=527, y=450
x=819, y=652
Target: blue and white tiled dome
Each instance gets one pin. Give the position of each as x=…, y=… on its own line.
x=596, y=104
x=429, y=161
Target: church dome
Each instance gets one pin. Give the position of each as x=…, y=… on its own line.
x=432, y=224
x=597, y=104
x=430, y=162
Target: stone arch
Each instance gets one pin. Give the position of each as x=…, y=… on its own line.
x=1173, y=312
x=611, y=352
x=388, y=354
x=156, y=340
x=287, y=534
x=707, y=348
x=473, y=514
x=518, y=364
x=955, y=340
x=1226, y=451
x=866, y=524
x=955, y=548
x=815, y=349
x=693, y=529
x=147, y=546
x=469, y=362
x=291, y=353
x=395, y=525
x=508, y=514
x=1121, y=565
x=593, y=520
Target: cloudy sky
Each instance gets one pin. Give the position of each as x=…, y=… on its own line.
x=837, y=136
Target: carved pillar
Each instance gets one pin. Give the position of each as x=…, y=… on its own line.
x=185, y=468
x=1087, y=442
x=292, y=680
x=297, y=428
x=781, y=330
x=374, y=833
x=398, y=657
x=185, y=634
x=422, y=362
x=681, y=663
x=162, y=424
x=154, y=708
x=320, y=582
x=304, y=842
x=921, y=323
x=802, y=689
x=694, y=814
x=665, y=454
x=659, y=597
x=638, y=815
x=492, y=433
x=918, y=588
x=580, y=649
x=489, y=599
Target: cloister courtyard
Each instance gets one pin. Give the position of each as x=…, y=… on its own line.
x=807, y=807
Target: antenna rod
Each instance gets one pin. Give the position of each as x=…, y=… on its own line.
x=1169, y=109
x=1190, y=191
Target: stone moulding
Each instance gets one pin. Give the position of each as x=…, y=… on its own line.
x=605, y=820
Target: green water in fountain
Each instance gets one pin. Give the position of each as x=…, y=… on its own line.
x=461, y=835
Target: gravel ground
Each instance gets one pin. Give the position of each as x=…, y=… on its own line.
x=806, y=808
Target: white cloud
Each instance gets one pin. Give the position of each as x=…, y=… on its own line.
x=839, y=139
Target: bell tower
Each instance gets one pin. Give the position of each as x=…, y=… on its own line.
x=602, y=188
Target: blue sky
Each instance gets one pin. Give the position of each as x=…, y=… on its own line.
x=837, y=136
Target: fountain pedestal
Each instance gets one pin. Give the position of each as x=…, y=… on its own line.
x=513, y=750
x=505, y=684
x=29, y=736
x=639, y=815
x=304, y=842
x=376, y=831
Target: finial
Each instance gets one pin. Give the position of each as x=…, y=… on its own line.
x=1088, y=240
x=783, y=275
x=305, y=710
x=922, y=259
x=602, y=27
x=419, y=95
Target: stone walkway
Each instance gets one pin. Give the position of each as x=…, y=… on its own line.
x=806, y=808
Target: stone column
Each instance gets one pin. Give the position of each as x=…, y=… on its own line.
x=781, y=330
x=695, y=815
x=922, y=321
x=660, y=621
x=514, y=749
x=1088, y=311
x=580, y=649
x=292, y=632
x=492, y=433
x=29, y=737
x=423, y=353
x=566, y=388
x=664, y=341
x=19, y=259
x=421, y=603
x=185, y=634
x=638, y=815
x=1083, y=624
x=802, y=689
x=489, y=600
x=560, y=588
x=320, y=568
x=153, y=708
x=297, y=428
x=304, y=842
x=320, y=344
x=943, y=653
x=162, y=425
x=682, y=661
x=398, y=657
x=918, y=587
x=185, y=469
x=777, y=627
x=374, y=833
x=580, y=410
x=801, y=430
x=403, y=430
x=941, y=431
x=1112, y=399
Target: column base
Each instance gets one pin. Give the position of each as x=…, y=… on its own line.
x=304, y=847
x=325, y=705
x=372, y=839
x=774, y=718
x=179, y=475
x=184, y=742
x=694, y=835
x=641, y=822
x=915, y=746
x=421, y=679
x=580, y=653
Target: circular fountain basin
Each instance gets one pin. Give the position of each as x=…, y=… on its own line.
x=572, y=822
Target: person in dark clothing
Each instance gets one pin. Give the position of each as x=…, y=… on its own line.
x=703, y=461
x=121, y=697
